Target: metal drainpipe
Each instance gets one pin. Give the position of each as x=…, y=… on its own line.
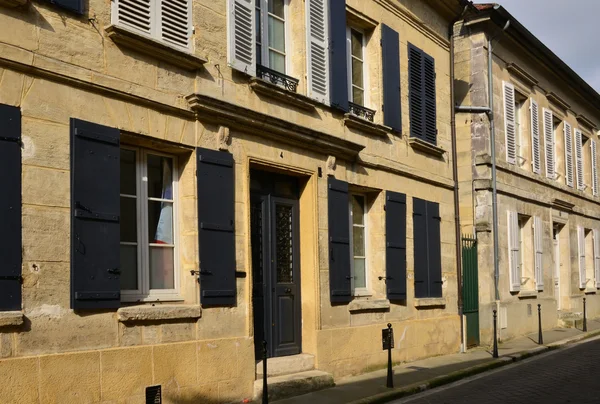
x=493, y=151
x=455, y=175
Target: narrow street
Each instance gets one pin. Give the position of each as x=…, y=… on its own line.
x=569, y=375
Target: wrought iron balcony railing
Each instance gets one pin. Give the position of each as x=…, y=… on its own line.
x=280, y=79
x=362, y=112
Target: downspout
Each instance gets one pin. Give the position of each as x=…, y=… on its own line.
x=455, y=176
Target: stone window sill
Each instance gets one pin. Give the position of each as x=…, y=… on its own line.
x=426, y=147
x=159, y=312
x=370, y=305
x=278, y=93
x=354, y=122
x=430, y=302
x=154, y=48
x=590, y=291
x=527, y=294
x=11, y=318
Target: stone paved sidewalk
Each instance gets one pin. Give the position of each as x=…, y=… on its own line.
x=410, y=378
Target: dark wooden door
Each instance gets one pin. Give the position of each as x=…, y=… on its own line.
x=275, y=264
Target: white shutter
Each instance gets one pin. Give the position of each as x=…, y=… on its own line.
x=581, y=249
x=510, y=130
x=549, y=143
x=176, y=23
x=594, y=163
x=317, y=49
x=568, y=154
x=241, y=49
x=535, y=138
x=136, y=15
x=513, y=251
x=597, y=257
x=539, y=249
x=579, y=159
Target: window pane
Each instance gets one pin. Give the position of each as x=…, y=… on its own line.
x=259, y=55
x=358, y=96
x=258, y=26
x=356, y=44
x=277, y=61
x=277, y=7
x=358, y=209
x=284, y=244
x=160, y=222
x=129, y=276
x=358, y=241
x=360, y=279
x=276, y=34
x=357, y=73
x=162, y=268
x=128, y=172
x=128, y=219
x=160, y=177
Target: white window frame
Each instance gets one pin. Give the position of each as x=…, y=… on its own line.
x=349, y=57
x=359, y=291
x=264, y=34
x=144, y=293
x=156, y=24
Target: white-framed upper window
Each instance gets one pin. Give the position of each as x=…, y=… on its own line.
x=271, y=16
x=355, y=40
x=358, y=243
x=168, y=21
x=149, y=248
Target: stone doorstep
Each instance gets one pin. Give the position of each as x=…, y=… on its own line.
x=286, y=365
x=568, y=319
x=294, y=384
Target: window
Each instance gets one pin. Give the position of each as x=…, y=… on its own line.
x=358, y=246
x=356, y=66
x=526, y=252
x=148, y=221
x=589, y=259
x=165, y=21
x=427, y=248
x=422, y=95
x=521, y=127
x=270, y=34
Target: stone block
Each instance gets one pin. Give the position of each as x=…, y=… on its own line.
x=203, y=393
x=45, y=144
x=11, y=318
x=175, y=365
x=151, y=334
x=126, y=372
x=7, y=345
x=176, y=332
x=159, y=312
x=11, y=87
x=46, y=234
x=70, y=378
x=235, y=390
x=46, y=186
x=19, y=29
x=129, y=65
x=130, y=335
x=175, y=80
x=19, y=380
x=215, y=359
x=44, y=283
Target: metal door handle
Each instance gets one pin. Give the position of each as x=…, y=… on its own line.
x=288, y=290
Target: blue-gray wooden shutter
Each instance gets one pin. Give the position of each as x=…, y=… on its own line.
x=415, y=92
x=420, y=247
x=75, y=6
x=339, y=241
x=395, y=245
x=434, y=249
x=95, y=210
x=10, y=208
x=216, y=231
x=390, y=43
x=338, y=64
x=430, y=114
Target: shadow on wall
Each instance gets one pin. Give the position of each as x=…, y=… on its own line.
x=461, y=91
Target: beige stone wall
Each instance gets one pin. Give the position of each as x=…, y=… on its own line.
x=519, y=189
x=56, y=66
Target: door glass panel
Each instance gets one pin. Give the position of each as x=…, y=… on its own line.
x=161, y=268
x=160, y=222
x=284, y=244
x=129, y=267
x=358, y=241
x=128, y=186
x=160, y=177
x=128, y=219
x=358, y=209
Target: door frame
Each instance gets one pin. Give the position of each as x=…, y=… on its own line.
x=556, y=276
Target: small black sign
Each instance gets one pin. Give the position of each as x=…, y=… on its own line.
x=387, y=338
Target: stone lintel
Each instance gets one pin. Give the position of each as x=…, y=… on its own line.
x=521, y=74
x=125, y=37
x=557, y=101
x=11, y=318
x=365, y=304
x=430, y=302
x=363, y=125
x=159, y=312
x=278, y=93
x=585, y=121
x=426, y=147
x=247, y=120
x=562, y=204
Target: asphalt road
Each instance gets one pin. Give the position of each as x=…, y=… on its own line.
x=569, y=375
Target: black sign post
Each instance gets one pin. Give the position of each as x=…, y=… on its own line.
x=387, y=339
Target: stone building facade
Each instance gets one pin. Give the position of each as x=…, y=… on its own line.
x=187, y=182
x=546, y=137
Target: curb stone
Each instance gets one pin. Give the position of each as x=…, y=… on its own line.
x=438, y=381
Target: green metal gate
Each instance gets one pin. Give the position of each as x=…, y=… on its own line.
x=470, y=289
